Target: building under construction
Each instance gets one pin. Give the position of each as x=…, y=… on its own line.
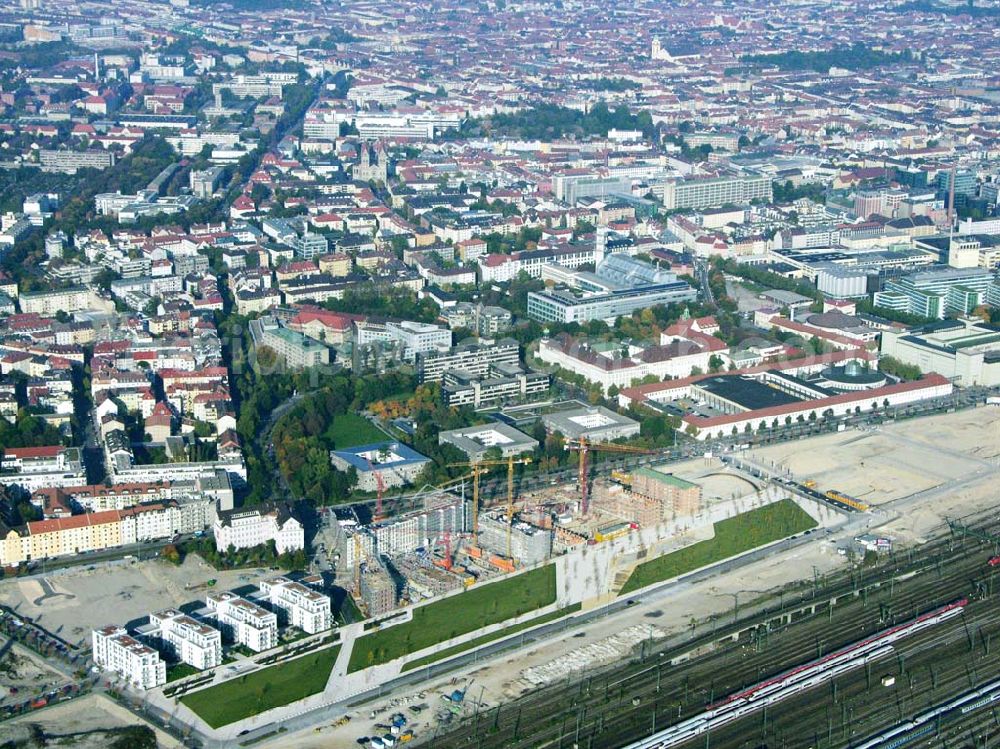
x=426, y=579
x=529, y=544
x=677, y=496
x=404, y=535
x=647, y=497
x=378, y=590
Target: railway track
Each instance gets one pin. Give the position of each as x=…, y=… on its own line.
x=614, y=706
x=857, y=707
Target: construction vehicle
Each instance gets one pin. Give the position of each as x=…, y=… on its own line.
x=583, y=446
x=622, y=477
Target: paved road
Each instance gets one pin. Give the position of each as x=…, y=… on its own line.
x=701, y=269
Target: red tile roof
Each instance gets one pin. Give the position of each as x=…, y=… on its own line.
x=32, y=452
x=76, y=521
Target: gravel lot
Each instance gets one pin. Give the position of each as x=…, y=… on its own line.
x=73, y=601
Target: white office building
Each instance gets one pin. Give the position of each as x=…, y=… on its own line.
x=244, y=622
x=715, y=191
x=115, y=650
x=966, y=351
x=473, y=358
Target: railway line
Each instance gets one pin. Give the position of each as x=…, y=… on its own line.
x=797, y=681
x=615, y=706
x=892, y=704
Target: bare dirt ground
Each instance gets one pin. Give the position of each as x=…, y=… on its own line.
x=920, y=472
x=23, y=674
x=72, y=602
x=82, y=723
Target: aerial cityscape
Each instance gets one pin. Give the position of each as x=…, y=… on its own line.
x=503, y=375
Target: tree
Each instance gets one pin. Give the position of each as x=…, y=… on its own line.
x=892, y=366
x=259, y=193
x=172, y=554
x=715, y=363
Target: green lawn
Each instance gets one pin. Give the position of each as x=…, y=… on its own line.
x=264, y=689
x=180, y=670
x=351, y=430
x=456, y=615
x=732, y=536
x=456, y=649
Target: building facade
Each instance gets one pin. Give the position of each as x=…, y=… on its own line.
x=305, y=608
x=244, y=622
x=115, y=650
x=189, y=640
x=245, y=528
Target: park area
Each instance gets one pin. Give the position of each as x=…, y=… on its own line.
x=733, y=536
x=262, y=690
x=441, y=655
x=457, y=615
x=351, y=430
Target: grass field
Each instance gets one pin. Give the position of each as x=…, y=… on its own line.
x=264, y=689
x=180, y=671
x=732, y=536
x=457, y=615
x=449, y=652
x=350, y=430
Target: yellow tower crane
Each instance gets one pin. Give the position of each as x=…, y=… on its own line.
x=479, y=467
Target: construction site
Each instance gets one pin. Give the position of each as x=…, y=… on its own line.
x=457, y=539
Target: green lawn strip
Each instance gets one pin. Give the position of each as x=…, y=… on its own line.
x=732, y=536
x=456, y=649
x=351, y=430
x=457, y=615
x=180, y=670
x=262, y=690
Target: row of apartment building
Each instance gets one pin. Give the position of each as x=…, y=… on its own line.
x=186, y=639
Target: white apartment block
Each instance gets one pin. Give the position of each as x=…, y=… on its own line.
x=115, y=650
x=32, y=468
x=475, y=359
x=245, y=622
x=307, y=609
x=191, y=641
x=72, y=299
